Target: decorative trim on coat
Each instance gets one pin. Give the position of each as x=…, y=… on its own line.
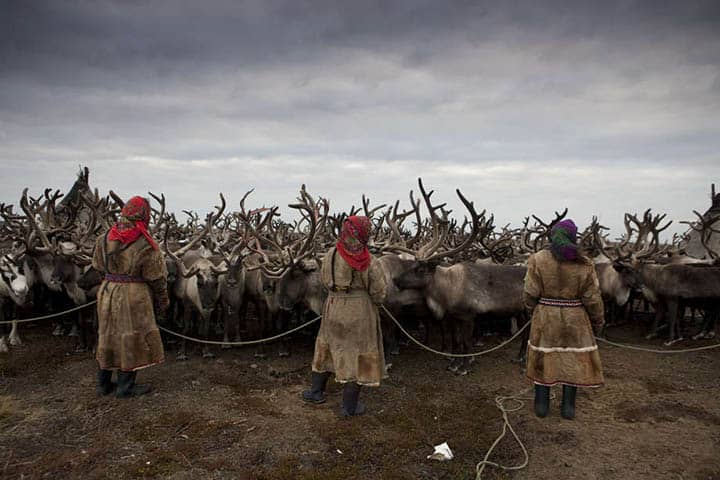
x=569, y=384
x=562, y=349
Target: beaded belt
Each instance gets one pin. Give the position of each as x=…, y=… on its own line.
x=120, y=278
x=561, y=302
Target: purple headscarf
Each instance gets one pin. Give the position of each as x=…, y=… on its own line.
x=563, y=241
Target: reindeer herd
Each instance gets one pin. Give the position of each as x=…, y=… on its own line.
x=247, y=273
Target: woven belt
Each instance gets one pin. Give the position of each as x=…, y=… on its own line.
x=120, y=278
x=561, y=302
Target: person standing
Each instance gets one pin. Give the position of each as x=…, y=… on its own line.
x=562, y=293
x=349, y=343
x=131, y=296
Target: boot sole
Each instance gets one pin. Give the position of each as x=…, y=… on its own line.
x=314, y=402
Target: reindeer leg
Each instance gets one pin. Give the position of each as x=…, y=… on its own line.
x=226, y=314
x=660, y=309
x=524, y=339
x=466, y=325
x=283, y=324
x=707, y=329
x=205, y=327
x=673, y=310
x=391, y=334
x=454, y=335
x=186, y=319
x=263, y=320
x=14, y=337
x=240, y=320
x=81, y=345
x=712, y=315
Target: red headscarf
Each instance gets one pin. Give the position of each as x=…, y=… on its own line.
x=352, y=244
x=134, y=219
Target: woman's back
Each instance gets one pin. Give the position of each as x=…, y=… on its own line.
x=561, y=279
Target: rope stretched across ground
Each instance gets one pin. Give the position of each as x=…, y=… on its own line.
x=51, y=315
x=247, y=342
x=405, y=332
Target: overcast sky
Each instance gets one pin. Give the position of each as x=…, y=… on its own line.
x=527, y=107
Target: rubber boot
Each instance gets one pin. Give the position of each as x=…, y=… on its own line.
x=542, y=400
x=316, y=394
x=127, y=388
x=104, y=382
x=351, y=405
x=567, y=408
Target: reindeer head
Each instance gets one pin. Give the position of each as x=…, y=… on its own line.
x=14, y=280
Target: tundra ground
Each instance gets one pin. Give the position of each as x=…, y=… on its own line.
x=237, y=417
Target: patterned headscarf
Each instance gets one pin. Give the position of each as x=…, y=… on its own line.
x=563, y=241
x=133, y=223
x=352, y=244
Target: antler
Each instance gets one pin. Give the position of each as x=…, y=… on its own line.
x=210, y=221
x=30, y=215
x=705, y=227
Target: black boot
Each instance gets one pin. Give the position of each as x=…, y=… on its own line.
x=316, y=394
x=542, y=400
x=104, y=383
x=567, y=409
x=351, y=405
x=127, y=387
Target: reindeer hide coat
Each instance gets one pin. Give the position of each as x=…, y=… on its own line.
x=562, y=348
x=128, y=337
x=349, y=342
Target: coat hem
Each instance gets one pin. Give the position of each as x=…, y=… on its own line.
x=134, y=369
x=562, y=382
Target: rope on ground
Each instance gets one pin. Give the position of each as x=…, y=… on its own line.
x=454, y=355
x=248, y=342
x=654, y=350
x=45, y=317
x=500, y=404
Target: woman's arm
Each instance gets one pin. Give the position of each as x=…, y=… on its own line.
x=377, y=288
x=98, y=261
x=154, y=271
x=532, y=291
x=592, y=299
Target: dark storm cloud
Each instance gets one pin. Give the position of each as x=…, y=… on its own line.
x=624, y=96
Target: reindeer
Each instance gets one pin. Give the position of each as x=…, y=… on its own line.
x=285, y=276
x=198, y=284
x=48, y=253
x=13, y=295
x=459, y=292
x=702, y=240
x=669, y=287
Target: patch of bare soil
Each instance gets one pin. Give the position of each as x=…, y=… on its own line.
x=237, y=417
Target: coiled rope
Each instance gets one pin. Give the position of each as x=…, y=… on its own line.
x=499, y=400
x=500, y=404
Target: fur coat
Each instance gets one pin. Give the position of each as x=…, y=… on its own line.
x=562, y=347
x=128, y=337
x=349, y=342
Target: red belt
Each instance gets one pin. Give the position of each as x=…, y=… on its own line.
x=561, y=302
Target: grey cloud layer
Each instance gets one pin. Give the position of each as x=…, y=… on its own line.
x=623, y=99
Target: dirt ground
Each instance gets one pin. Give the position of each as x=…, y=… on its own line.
x=237, y=417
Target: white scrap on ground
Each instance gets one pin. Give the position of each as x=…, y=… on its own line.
x=442, y=452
